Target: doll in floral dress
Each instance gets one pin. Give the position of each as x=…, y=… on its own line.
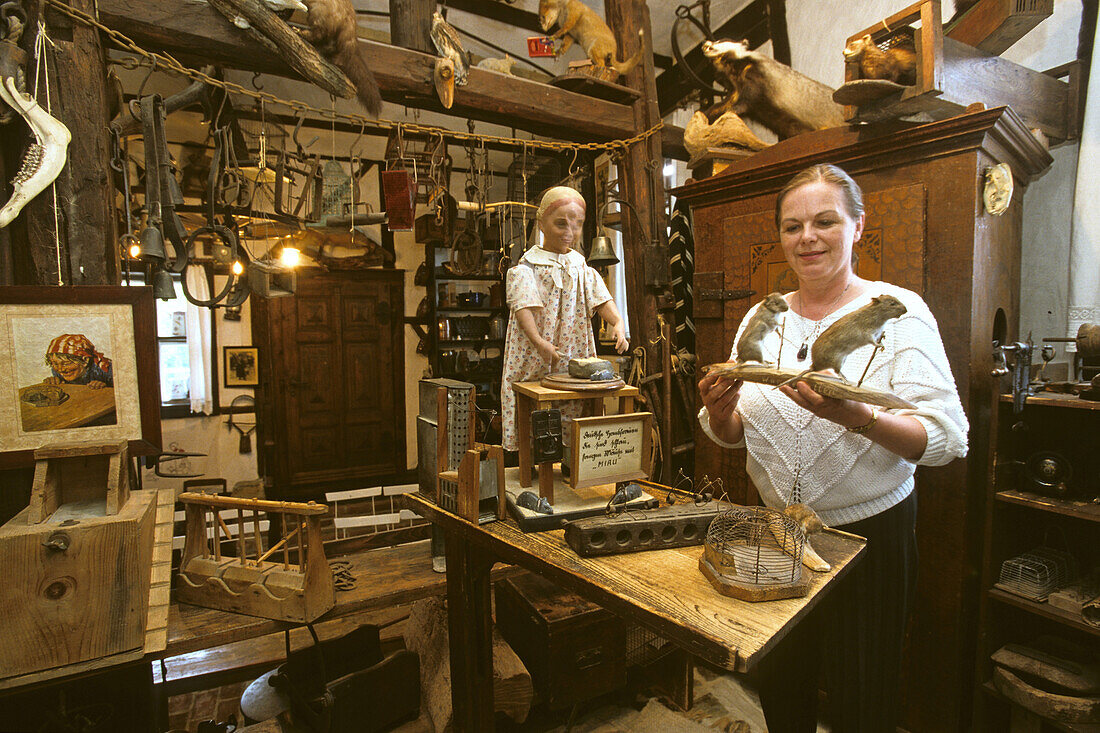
x=552, y=294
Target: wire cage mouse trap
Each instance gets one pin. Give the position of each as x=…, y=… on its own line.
x=754, y=554
x=1038, y=573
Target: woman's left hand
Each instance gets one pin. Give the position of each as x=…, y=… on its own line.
x=845, y=413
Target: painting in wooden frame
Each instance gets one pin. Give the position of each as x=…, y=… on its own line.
x=240, y=366
x=609, y=448
x=77, y=364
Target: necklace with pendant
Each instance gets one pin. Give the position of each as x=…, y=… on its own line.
x=804, y=349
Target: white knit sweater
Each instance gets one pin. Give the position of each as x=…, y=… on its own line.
x=846, y=477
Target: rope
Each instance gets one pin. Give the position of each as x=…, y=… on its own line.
x=166, y=62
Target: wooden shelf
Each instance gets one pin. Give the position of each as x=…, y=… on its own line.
x=1080, y=509
x=1045, y=610
x=467, y=278
x=1054, y=399
x=472, y=311
x=472, y=343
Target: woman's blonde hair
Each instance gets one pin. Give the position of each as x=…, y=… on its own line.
x=850, y=190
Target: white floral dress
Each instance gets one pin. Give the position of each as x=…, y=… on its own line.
x=568, y=292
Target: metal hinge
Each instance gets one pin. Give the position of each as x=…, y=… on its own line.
x=724, y=294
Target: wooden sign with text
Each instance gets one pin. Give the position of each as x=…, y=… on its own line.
x=610, y=448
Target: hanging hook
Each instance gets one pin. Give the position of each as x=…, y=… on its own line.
x=297, y=129
x=574, y=171
x=255, y=84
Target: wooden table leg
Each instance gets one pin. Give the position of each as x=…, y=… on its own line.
x=524, y=405
x=470, y=627
x=546, y=480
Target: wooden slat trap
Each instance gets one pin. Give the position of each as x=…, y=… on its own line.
x=290, y=580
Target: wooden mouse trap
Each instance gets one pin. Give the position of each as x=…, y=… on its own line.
x=278, y=583
x=822, y=384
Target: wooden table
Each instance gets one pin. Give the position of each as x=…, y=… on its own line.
x=663, y=590
x=85, y=405
x=533, y=396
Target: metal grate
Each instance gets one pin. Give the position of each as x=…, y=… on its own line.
x=756, y=545
x=458, y=425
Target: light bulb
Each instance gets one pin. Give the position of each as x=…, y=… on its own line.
x=135, y=251
x=289, y=256
x=237, y=267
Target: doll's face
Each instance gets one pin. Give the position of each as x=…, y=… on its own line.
x=69, y=368
x=561, y=228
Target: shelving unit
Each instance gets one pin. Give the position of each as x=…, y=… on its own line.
x=1020, y=517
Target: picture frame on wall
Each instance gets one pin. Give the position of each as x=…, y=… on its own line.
x=77, y=364
x=240, y=366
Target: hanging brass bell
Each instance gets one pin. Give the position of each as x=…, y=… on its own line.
x=602, y=252
x=152, y=244
x=163, y=287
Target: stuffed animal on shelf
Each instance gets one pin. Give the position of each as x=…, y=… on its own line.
x=775, y=95
x=576, y=21
x=897, y=63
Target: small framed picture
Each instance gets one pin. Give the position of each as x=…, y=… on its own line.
x=241, y=366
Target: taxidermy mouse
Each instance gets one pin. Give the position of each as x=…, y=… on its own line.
x=504, y=65
x=333, y=30
x=897, y=63
x=577, y=21
x=775, y=95
x=763, y=322
x=858, y=328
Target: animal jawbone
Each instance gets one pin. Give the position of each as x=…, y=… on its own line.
x=44, y=158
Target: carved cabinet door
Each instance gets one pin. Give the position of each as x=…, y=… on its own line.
x=334, y=409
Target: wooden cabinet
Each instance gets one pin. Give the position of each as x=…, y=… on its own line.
x=1023, y=515
x=331, y=399
x=926, y=230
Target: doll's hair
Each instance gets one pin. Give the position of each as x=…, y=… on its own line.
x=555, y=197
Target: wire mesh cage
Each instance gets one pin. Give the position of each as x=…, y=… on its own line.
x=754, y=553
x=1036, y=574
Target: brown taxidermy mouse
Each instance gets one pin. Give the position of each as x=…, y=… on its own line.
x=763, y=322
x=858, y=328
x=333, y=29
x=897, y=63
x=577, y=21
x=775, y=95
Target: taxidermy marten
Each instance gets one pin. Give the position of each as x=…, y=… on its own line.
x=897, y=63
x=578, y=21
x=775, y=95
x=333, y=30
x=729, y=129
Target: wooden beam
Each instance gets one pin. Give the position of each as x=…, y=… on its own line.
x=195, y=34
x=410, y=23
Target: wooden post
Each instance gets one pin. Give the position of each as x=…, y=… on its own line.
x=78, y=97
x=639, y=170
x=410, y=22
x=470, y=629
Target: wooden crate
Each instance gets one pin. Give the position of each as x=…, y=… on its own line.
x=951, y=76
x=87, y=601
x=574, y=649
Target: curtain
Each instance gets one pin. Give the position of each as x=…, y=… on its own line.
x=199, y=344
x=1084, y=249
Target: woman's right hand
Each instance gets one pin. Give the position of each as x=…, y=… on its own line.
x=720, y=396
x=547, y=350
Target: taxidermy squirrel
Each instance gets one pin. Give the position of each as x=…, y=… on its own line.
x=858, y=328
x=775, y=95
x=897, y=63
x=578, y=21
x=763, y=322
x=333, y=30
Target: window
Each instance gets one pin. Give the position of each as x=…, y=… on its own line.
x=173, y=350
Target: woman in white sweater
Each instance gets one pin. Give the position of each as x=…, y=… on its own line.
x=849, y=461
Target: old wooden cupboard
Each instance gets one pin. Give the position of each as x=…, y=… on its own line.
x=926, y=230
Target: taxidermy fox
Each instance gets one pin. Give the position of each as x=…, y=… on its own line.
x=332, y=29
x=772, y=93
x=578, y=21
x=897, y=63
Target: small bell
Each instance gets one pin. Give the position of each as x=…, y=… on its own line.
x=246, y=443
x=163, y=287
x=602, y=253
x=152, y=243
